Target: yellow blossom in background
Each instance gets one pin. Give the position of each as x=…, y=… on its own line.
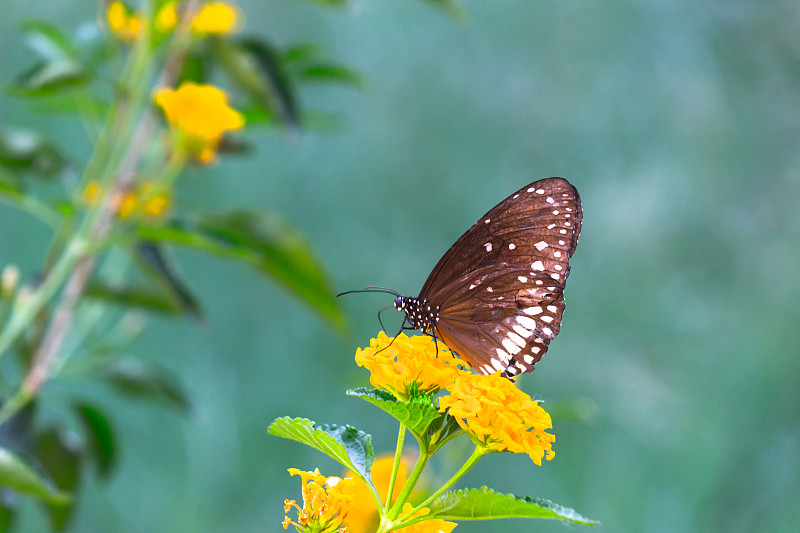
x=409, y=360
x=142, y=201
x=326, y=502
x=435, y=525
x=215, y=18
x=123, y=23
x=498, y=414
x=201, y=116
x=166, y=18
x=128, y=205
x=364, y=517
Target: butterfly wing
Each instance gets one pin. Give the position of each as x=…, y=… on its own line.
x=500, y=286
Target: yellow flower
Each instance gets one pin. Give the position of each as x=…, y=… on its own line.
x=499, y=415
x=123, y=23
x=154, y=204
x=128, y=205
x=326, y=502
x=364, y=517
x=215, y=18
x=166, y=18
x=201, y=116
x=435, y=525
x=409, y=360
x=89, y=196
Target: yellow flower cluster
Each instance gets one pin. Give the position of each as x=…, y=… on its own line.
x=200, y=115
x=490, y=408
x=326, y=502
x=144, y=201
x=397, y=365
x=214, y=18
x=499, y=415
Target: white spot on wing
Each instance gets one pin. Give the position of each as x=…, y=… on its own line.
x=519, y=341
x=541, y=245
x=547, y=331
x=547, y=318
x=497, y=364
x=539, y=191
x=522, y=331
x=505, y=357
x=551, y=226
x=487, y=220
x=526, y=322
x=528, y=359
x=522, y=279
x=550, y=200
x=535, y=310
x=472, y=286
x=552, y=308
x=537, y=265
x=563, y=231
x=510, y=346
x=556, y=254
x=511, y=246
x=488, y=246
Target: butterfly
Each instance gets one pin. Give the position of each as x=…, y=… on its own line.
x=496, y=297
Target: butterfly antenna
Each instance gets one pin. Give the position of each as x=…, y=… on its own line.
x=372, y=288
x=379, y=316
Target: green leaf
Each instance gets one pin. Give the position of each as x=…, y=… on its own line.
x=60, y=454
x=48, y=41
x=28, y=151
x=136, y=379
x=261, y=241
x=332, y=73
x=257, y=68
x=48, y=77
x=346, y=444
x=16, y=474
x=330, y=3
x=416, y=414
x=485, y=504
x=144, y=298
x=99, y=435
x=161, y=267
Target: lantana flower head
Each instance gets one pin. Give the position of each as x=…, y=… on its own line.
x=407, y=363
x=201, y=116
x=326, y=502
x=500, y=416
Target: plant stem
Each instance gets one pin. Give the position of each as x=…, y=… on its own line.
x=398, y=454
x=470, y=462
x=413, y=477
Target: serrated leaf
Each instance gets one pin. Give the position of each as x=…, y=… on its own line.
x=346, y=444
x=139, y=380
x=99, y=435
x=159, y=265
x=486, y=504
x=416, y=415
x=60, y=454
x=16, y=474
x=261, y=241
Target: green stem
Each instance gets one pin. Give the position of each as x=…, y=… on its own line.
x=470, y=462
x=398, y=454
x=413, y=477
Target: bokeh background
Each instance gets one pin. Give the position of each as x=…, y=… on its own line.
x=675, y=382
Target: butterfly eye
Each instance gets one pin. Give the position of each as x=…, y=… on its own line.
x=398, y=303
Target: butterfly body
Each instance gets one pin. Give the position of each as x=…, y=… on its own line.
x=496, y=297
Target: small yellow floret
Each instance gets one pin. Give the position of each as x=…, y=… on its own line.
x=166, y=18
x=123, y=23
x=499, y=415
x=326, y=502
x=409, y=360
x=435, y=525
x=200, y=114
x=215, y=18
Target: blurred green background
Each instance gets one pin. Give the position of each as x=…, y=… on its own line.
x=678, y=121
